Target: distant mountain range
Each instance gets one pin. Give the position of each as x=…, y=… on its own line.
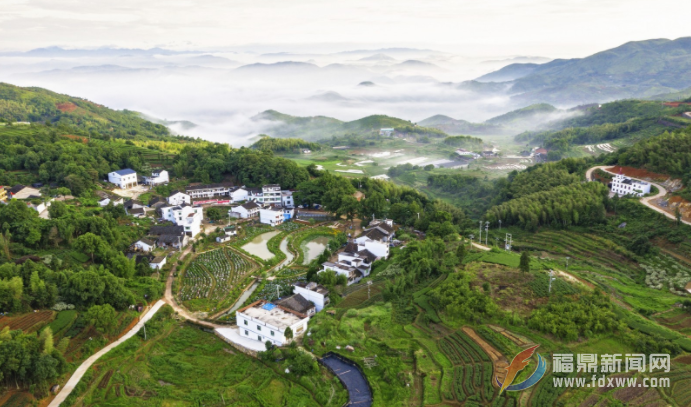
x=633, y=70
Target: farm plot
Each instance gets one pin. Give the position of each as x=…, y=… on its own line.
x=473, y=371
x=29, y=322
x=211, y=276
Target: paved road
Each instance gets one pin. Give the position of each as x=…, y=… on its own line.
x=81, y=370
x=645, y=201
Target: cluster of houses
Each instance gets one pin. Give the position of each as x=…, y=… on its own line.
x=31, y=195
x=267, y=321
x=127, y=178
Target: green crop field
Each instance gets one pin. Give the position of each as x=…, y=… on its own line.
x=181, y=365
x=212, y=278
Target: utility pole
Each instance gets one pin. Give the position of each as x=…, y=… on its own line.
x=486, y=232
x=508, y=241
x=471, y=240
x=499, y=224
x=480, y=238
x=567, y=263
x=278, y=293
x=551, y=278
x=145, y=331
x=369, y=285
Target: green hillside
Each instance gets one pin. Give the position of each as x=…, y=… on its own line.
x=320, y=127
x=628, y=120
x=453, y=126
x=37, y=105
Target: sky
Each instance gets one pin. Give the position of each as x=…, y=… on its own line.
x=552, y=28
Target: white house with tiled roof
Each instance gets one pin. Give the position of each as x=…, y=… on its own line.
x=125, y=178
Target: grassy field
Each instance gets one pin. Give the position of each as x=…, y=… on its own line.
x=181, y=365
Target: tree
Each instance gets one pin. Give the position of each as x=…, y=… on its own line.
x=215, y=213
x=677, y=215
x=57, y=209
x=524, y=264
x=102, y=317
x=288, y=333
x=350, y=207
x=460, y=252
x=46, y=339
x=90, y=244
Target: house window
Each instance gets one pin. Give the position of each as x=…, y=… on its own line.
x=247, y=333
x=259, y=337
x=246, y=322
x=259, y=328
x=272, y=333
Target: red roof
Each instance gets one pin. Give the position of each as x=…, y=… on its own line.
x=540, y=151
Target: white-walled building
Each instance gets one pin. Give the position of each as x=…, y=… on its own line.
x=230, y=230
x=157, y=178
x=179, y=198
x=287, y=200
x=222, y=239
x=298, y=303
x=158, y=262
x=246, y=210
x=271, y=216
x=208, y=191
x=263, y=321
x=170, y=236
x=623, y=185
x=125, y=178
x=239, y=195
x=145, y=245
x=378, y=231
x=271, y=194
x=313, y=292
x=189, y=217
x=106, y=199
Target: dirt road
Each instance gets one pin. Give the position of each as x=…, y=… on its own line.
x=81, y=370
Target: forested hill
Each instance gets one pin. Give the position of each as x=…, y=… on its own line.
x=628, y=119
x=320, y=127
x=634, y=69
x=37, y=105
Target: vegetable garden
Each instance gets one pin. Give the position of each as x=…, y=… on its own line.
x=211, y=278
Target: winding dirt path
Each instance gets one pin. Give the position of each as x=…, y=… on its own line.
x=82, y=369
x=646, y=200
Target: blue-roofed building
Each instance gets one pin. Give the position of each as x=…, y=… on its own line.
x=125, y=178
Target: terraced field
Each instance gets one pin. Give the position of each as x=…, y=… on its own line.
x=211, y=277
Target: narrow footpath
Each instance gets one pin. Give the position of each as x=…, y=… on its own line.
x=81, y=370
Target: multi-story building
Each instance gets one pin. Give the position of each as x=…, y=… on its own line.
x=125, y=178
x=263, y=321
x=287, y=200
x=208, y=191
x=271, y=216
x=189, y=217
x=623, y=185
x=271, y=194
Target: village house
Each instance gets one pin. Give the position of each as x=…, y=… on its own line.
x=137, y=213
x=184, y=215
x=179, y=198
x=170, y=236
x=3, y=194
x=263, y=321
x=387, y=131
x=132, y=204
x=156, y=178
x=208, y=191
x=158, y=262
x=287, y=199
x=623, y=185
x=238, y=194
x=145, y=244
x=271, y=194
x=298, y=303
x=244, y=211
x=467, y=154
x=106, y=199
x=271, y=216
x=125, y=178
x=230, y=230
x=222, y=239
x=23, y=192
x=313, y=292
